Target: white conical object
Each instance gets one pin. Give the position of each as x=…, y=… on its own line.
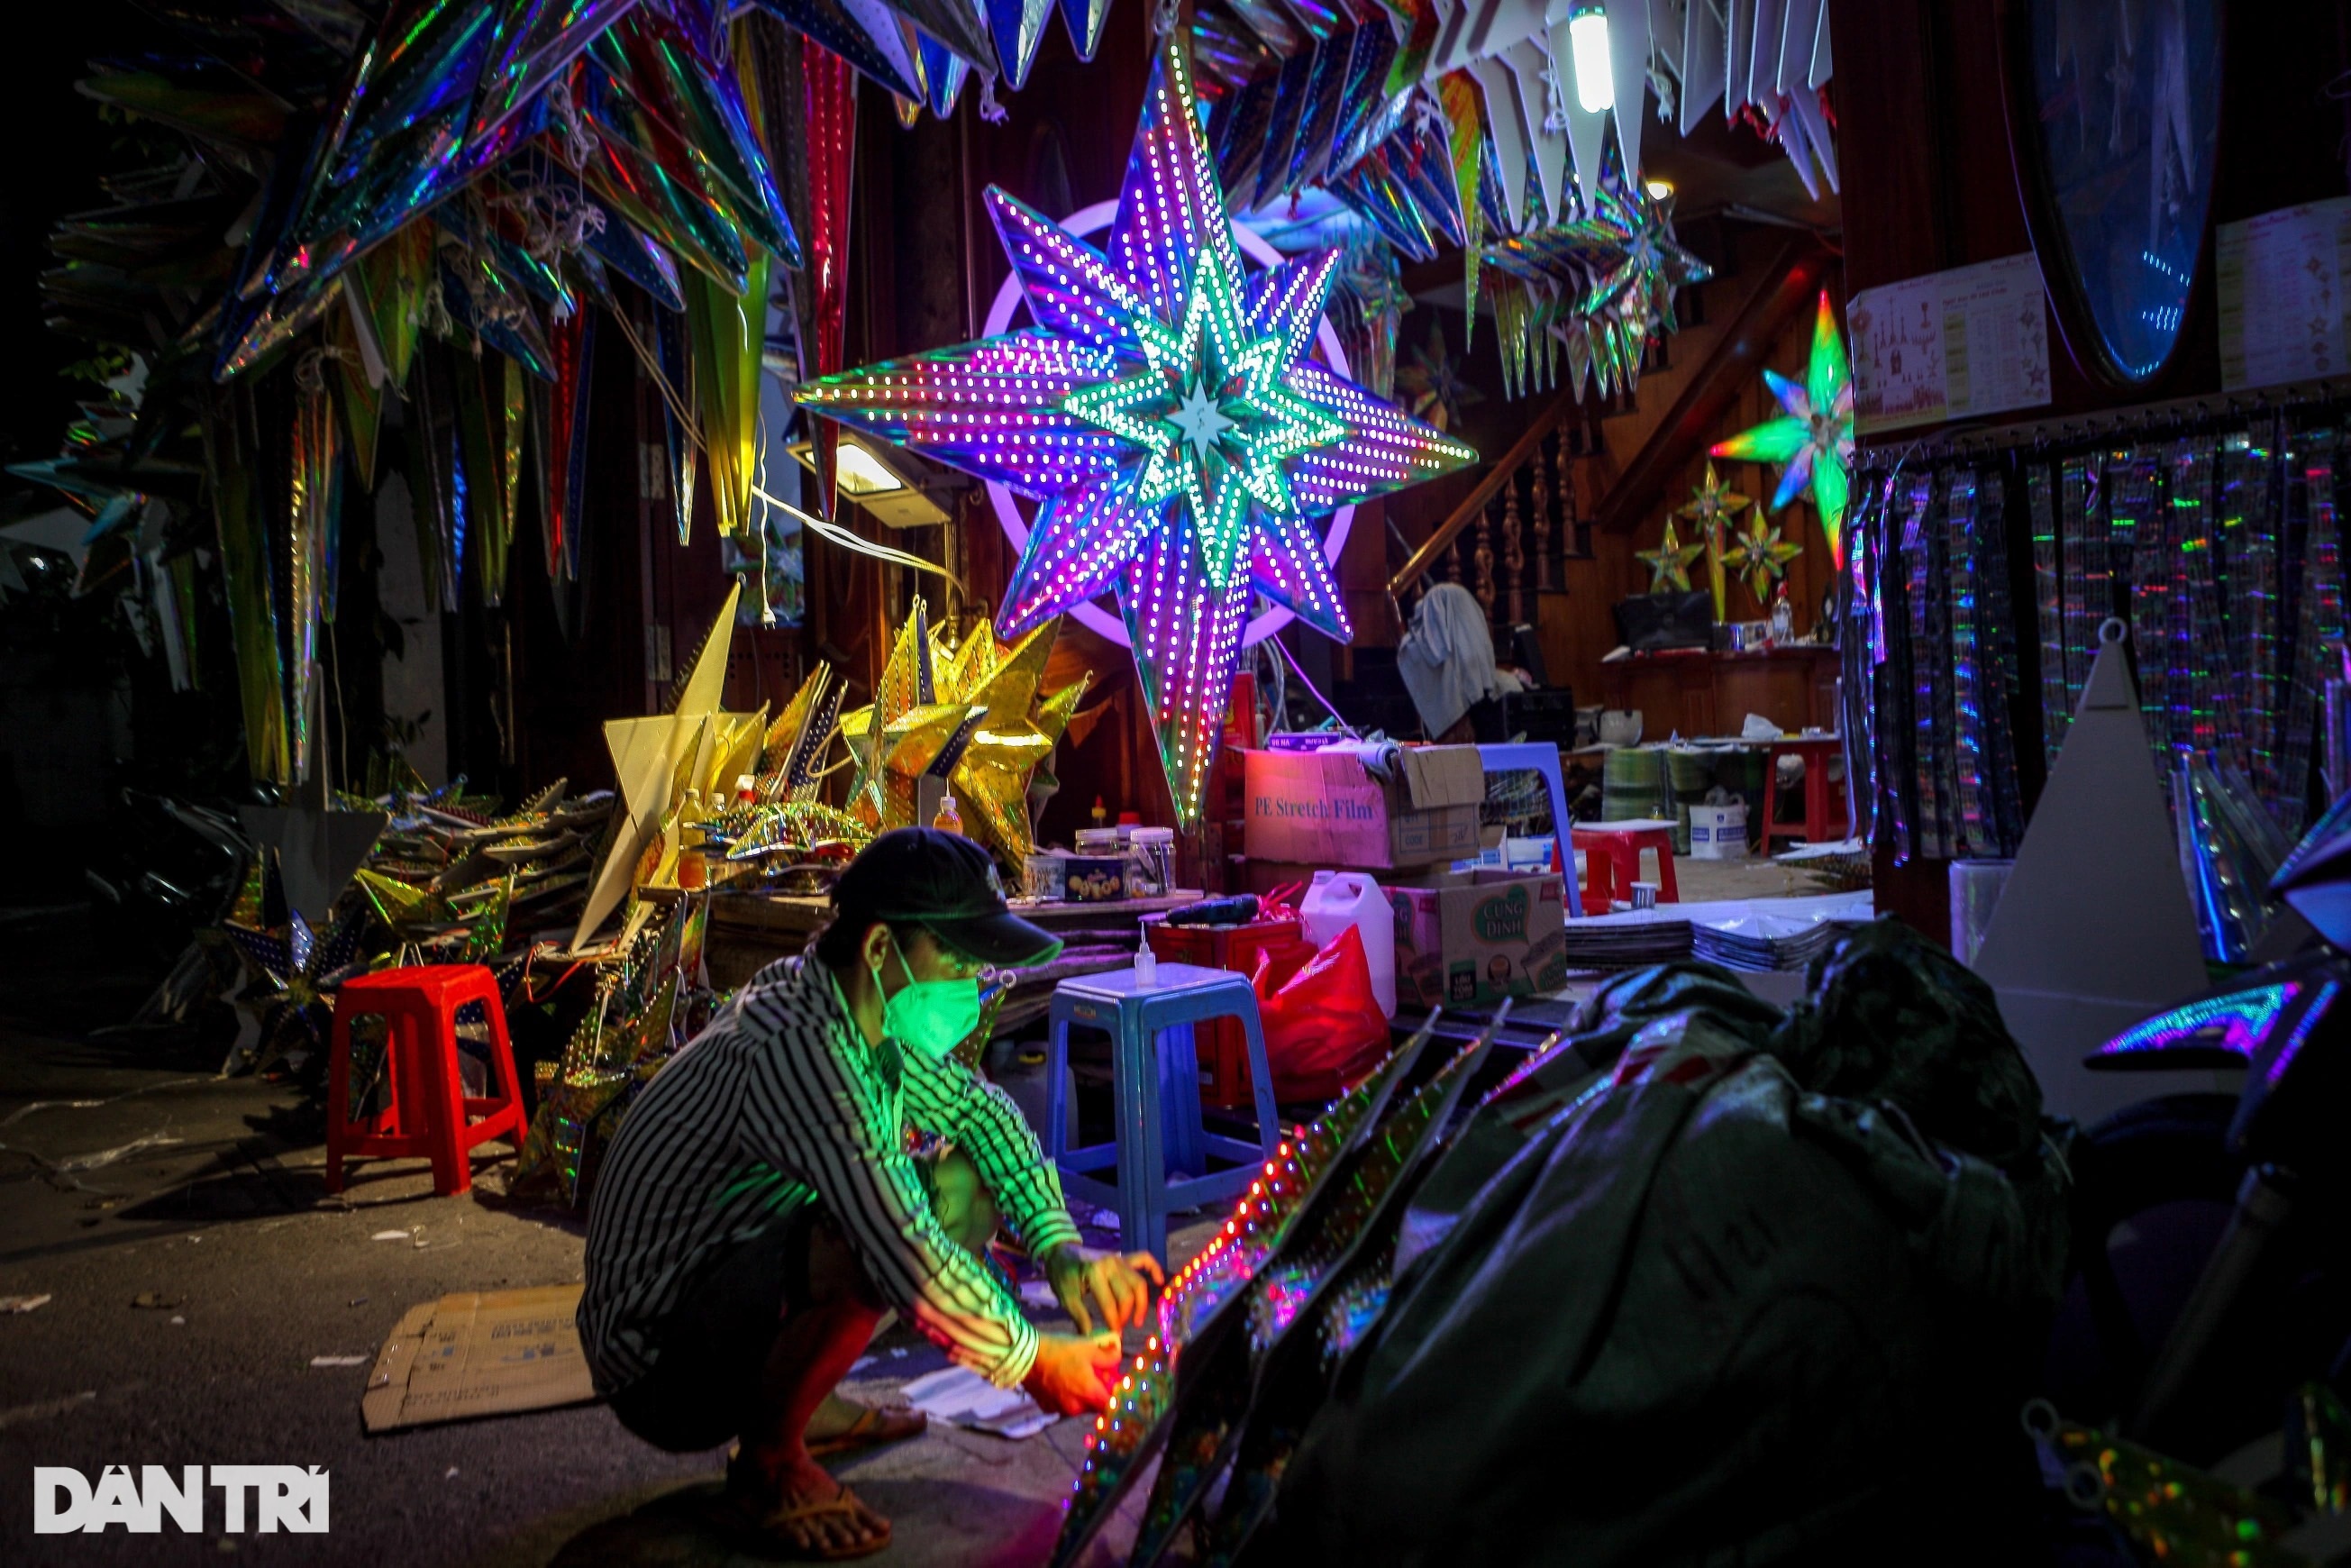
x=2094, y=931
x=1628, y=62
x=1703, y=73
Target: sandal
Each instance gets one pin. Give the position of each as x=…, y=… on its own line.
x=874, y=1427
x=769, y=1527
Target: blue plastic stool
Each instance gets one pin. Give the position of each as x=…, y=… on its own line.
x=1156, y=1095
x=1535, y=757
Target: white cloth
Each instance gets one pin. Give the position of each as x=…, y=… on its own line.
x=1447, y=658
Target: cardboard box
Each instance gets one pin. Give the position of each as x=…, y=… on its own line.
x=479, y=1354
x=1478, y=937
x=1323, y=809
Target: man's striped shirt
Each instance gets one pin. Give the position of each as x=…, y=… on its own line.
x=781, y=1102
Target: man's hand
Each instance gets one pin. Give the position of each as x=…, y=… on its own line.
x=1072, y=1376
x=1085, y=1280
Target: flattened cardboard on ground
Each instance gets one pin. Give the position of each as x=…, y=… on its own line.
x=488, y=1354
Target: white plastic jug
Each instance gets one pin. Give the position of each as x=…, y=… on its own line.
x=1342, y=898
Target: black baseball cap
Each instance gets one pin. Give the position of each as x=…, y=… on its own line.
x=947, y=884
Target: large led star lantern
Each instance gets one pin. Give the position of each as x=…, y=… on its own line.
x=1164, y=414
x=1813, y=436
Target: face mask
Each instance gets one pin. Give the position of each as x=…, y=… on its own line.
x=930, y=1017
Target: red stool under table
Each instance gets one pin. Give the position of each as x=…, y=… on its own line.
x=1612, y=858
x=426, y=1111
x=1824, y=814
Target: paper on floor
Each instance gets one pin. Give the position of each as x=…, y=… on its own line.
x=963, y=1397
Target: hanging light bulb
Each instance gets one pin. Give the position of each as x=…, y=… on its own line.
x=1587, y=36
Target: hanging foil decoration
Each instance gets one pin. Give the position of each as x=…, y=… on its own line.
x=2256, y=601
x=729, y=333
x=673, y=379
x=1861, y=639
x=2203, y=719
x=2049, y=606
x=2319, y=638
x=2087, y=599
x=246, y=573
x=1922, y=551
x=2230, y=848
x=312, y=508
x=1972, y=834
x=561, y=440
x=1997, y=679
x=1367, y=305
x=831, y=121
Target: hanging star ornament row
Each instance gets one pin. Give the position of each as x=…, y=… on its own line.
x=1165, y=414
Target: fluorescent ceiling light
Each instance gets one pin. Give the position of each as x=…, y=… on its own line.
x=1587, y=37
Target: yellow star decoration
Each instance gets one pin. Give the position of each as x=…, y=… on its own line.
x=1711, y=508
x=970, y=714
x=1760, y=555
x=1669, y=563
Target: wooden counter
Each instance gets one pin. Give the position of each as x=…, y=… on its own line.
x=1697, y=691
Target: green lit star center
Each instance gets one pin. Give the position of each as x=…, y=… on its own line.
x=1208, y=419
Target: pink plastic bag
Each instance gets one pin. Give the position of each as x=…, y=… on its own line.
x=1324, y=1028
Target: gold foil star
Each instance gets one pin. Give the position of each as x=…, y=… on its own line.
x=1669, y=563
x=1015, y=732
x=970, y=714
x=1711, y=507
x=1760, y=555
x=888, y=738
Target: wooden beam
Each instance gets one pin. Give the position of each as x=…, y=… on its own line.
x=1782, y=294
x=1497, y=475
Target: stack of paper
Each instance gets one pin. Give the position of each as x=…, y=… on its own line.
x=1761, y=941
x=1750, y=934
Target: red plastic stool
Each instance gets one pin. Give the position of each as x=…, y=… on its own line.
x=426, y=1111
x=1612, y=858
x=1824, y=816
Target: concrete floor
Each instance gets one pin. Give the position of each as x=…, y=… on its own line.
x=122, y=1173
x=128, y=1172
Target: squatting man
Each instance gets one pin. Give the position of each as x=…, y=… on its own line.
x=815, y=1158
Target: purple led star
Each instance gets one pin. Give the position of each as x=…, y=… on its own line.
x=1164, y=415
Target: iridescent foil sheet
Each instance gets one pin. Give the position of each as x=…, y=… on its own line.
x=1325, y=106
x=1238, y=132
x=2256, y=599
x=2230, y=848
x=1289, y=90
x=1923, y=563
x=1861, y=650
x=1229, y=55
x=2082, y=567
x=2138, y=534
x=1971, y=834
x=2049, y=610
x=1998, y=678
x=2201, y=717
x=2319, y=638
